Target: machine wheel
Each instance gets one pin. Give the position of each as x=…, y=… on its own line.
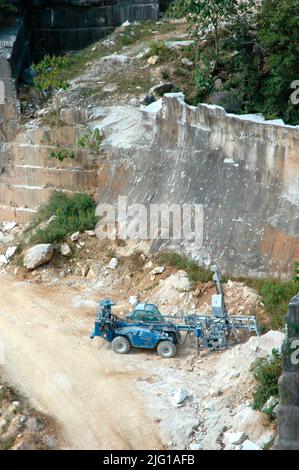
x=166, y=349
x=121, y=345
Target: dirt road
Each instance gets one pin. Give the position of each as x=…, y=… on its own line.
x=83, y=385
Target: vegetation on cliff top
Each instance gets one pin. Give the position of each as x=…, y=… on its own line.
x=244, y=57
x=251, y=54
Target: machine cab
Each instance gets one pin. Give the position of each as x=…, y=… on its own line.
x=147, y=313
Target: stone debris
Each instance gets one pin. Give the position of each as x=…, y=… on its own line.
x=241, y=299
x=10, y=251
x=113, y=263
x=187, y=62
x=270, y=404
x=180, y=396
x=234, y=438
x=111, y=88
x=249, y=445
x=133, y=300
x=84, y=270
x=143, y=53
x=215, y=392
x=234, y=374
x=178, y=281
x=115, y=59
x=3, y=260
x=194, y=446
x=65, y=249
x=7, y=226
x=222, y=409
x=153, y=60
x=157, y=270
x=22, y=426
x=109, y=43
x=38, y=255
x=267, y=439
x=75, y=236
x=143, y=257
x=91, y=233
x=149, y=264
x=179, y=44
x=173, y=294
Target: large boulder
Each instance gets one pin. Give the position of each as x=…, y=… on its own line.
x=38, y=255
x=177, y=281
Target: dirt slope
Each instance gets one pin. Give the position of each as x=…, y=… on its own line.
x=50, y=357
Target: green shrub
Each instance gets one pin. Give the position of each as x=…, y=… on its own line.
x=276, y=296
x=203, y=79
x=195, y=272
x=62, y=154
x=48, y=73
x=72, y=213
x=158, y=48
x=266, y=372
x=91, y=141
x=296, y=272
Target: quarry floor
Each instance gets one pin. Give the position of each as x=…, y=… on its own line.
x=83, y=385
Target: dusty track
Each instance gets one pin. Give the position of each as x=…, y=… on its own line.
x=87, y=389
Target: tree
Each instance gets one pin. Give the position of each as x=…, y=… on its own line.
x=278, y=37
x=205, y=14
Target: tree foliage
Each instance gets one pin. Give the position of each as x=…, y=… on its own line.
x=257, y=45
x=48, y=73
x=278, y=37
x=206, y=14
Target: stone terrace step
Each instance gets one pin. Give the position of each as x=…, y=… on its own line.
x=39, y=155
x=20, y=214
x=70, y=179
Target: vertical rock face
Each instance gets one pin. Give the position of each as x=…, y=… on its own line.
x=13, y=56
x=64, y=25
x=288, y=410
x=243, y=170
